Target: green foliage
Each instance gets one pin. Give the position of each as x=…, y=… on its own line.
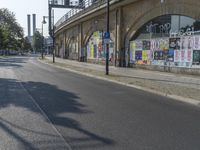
x=37, y=42
x=11, y=33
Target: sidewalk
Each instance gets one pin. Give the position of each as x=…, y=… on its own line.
x=173, y=85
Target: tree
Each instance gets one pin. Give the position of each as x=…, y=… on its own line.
x=37, y=41
x=11, y=33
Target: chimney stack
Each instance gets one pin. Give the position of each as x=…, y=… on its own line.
x=34, y=23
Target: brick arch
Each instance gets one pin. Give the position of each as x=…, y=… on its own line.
x=184, y=9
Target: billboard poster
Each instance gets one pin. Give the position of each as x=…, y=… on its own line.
x=144, y=55
x=174, y=43
x=184, y=43
x=139, y=45
x=146, y=45
x=182, y=53
x=189, y=56
x=138, y=55
x=159, y=55
x=197, y=42
x=196, y=56
x=164, y=44
x=177, y=56
x=190, y=42
x=170, y=56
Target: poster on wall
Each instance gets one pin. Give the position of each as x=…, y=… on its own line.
x=182, y=56
x=164, y=44
x=170, y=56
x=189, y=56
x=177, y=56
x=184, y=43
x=190, y=42
x=174, y=43
x=139, y=45
x=146, y=45
x=144, y=55
x=196, y=42
x=158, y=55
x=138, y=55
x=196, y=56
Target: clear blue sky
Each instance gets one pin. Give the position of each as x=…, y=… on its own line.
x=23, y=7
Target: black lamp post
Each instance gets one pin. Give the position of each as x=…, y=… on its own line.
x=108, y=37
x=43, y=22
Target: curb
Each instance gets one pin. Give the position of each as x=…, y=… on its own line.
x=174, y=97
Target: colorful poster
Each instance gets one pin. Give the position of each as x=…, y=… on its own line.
x=139, y=45
x=91, y=51
x=158, y=55
x=146, y=45
x=177, y=56
x=164, y=44
x=196, y=56
x=144, y=55
x=138, y=55
x=170, y=56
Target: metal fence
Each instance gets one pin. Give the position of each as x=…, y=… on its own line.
x=79, y=9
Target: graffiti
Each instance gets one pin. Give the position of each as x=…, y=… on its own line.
x=156, y=28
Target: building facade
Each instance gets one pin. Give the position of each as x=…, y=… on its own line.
x=150, y=33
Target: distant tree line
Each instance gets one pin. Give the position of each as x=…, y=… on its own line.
x=11, y=33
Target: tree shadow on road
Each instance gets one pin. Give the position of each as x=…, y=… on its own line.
x=60, y=106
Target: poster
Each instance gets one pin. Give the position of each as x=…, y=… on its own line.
x=182, y=56
x=177, y=56
x=144, y=55
x=184, y=43
x=196, y=56
x=139, y=45
x=138, y=55
x=174, y=43
x=158, y=55
x=170, y=56
x=196, y=42
x=164, y=44
x=190, y=42
x=146, y=45
x=189, y=56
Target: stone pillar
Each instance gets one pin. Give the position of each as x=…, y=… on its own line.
x=118, y=38
x=80, y=41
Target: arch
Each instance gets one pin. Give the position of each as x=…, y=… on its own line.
x=184, y=9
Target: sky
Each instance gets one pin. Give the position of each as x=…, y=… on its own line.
x=23, y=7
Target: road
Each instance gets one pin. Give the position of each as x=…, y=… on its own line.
x=42, y=107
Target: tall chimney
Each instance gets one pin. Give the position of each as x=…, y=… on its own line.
x=34, y=23
x=29, y=25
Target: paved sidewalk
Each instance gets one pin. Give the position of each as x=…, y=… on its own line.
x=186, y=86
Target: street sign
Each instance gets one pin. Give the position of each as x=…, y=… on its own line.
x=106, y=41
x=106, y=35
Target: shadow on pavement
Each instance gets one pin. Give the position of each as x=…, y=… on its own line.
x=58, y=105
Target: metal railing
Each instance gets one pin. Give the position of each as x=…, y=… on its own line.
x=79, y=9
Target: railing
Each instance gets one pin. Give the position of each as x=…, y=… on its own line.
x=81, y=8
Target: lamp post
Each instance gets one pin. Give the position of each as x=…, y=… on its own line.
x=43, y=22
x=107, y=37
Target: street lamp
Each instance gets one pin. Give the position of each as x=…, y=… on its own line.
x=43, y=22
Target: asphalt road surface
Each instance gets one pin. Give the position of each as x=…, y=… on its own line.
x=42, y=107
